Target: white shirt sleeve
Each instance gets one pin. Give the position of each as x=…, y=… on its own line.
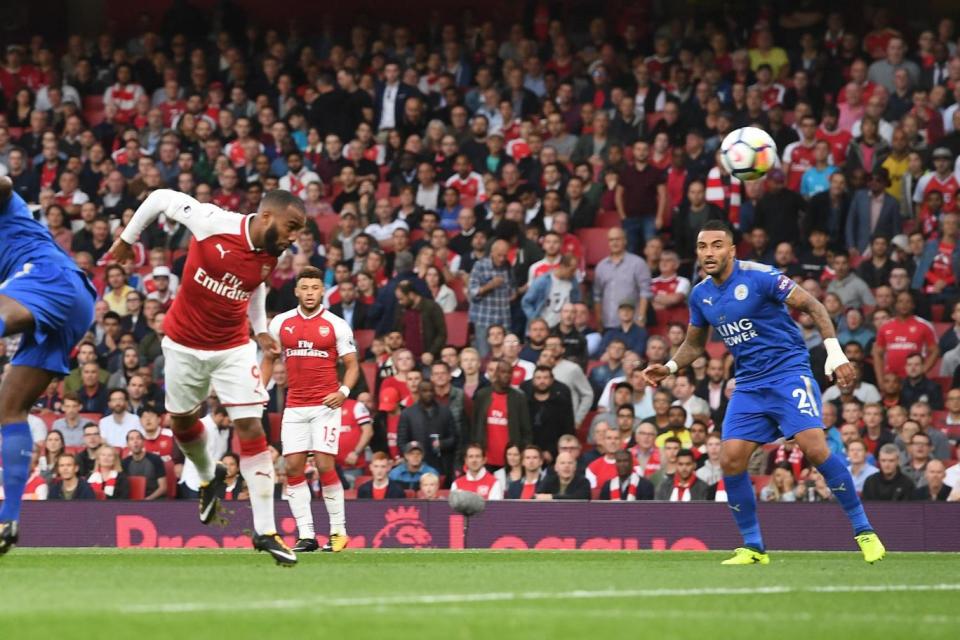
x=257, y=311
x=274, y=327
x=921, y=187
x=496, y=491
x=203, y=220
x=360, y=414
x=345, y=343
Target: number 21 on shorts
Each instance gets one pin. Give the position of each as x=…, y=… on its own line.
x=806, y=400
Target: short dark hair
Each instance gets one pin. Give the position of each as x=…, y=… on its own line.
x=718, y=225
x=477, y=445
x=126, y=396
x=543, y=367
x=685, y=453
x=627, y=407
x=311, y=273
x=112, y=315
x=280, y=200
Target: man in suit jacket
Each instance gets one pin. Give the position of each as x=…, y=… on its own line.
x=413, y=307
x=424, y=420
x=519, y=430
x=392, y=94
x=349, y=308
x=861, y=227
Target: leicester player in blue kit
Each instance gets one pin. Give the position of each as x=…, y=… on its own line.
x=746, y=304
x=48, y=299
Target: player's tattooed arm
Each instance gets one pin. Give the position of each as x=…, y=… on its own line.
x=801, y=300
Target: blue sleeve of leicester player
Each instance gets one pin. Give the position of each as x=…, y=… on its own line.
x=696, y=316
x=775, y=285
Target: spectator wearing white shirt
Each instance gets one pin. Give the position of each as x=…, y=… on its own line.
x=298, y=176
x=382, y=230
x=694, y=405
x=115, y=426
x=428, y=190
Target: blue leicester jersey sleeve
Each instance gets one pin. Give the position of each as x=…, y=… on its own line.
x=748, y=312
x=23, y=240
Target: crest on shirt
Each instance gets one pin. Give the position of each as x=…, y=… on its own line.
x=741, y=292
x=324, y=331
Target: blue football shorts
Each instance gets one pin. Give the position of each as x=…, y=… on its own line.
x=61, y=302
x=784, y=407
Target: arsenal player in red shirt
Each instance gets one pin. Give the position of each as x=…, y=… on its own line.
x=902, y=336
x=207, y=337
x=312, y=342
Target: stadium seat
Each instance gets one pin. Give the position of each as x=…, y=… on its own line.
x=362, y=480
x=945, y=383
x=410, y=493
x=458, y=324
x=138, y=487
x=583, y=429
x=363, y=338
x=939, y=418
x=443, y=493
x=953, y=432
x=274, y=420
x=92, y=417
x=171, y=474
x=595, y=247
x=716, y=350
x=607, y=219
x=759, y=482
x=349, y=494
x=369, y=370
x=941, y=328
x=936, y=312
x=327, y=225
x=383, y=190
x=48, y=418
x=679, y=314
x=653, y=119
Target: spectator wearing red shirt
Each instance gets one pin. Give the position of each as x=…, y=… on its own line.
x=628, y=484
x=124, y=94
x=942, y=179
x=477, y=478
x=157, y=439
x=500, y=415
x=528, y=486
x=604, y=469
x=938, y=270
x=838, y=137
x=799, y=155
x=380, y=487
x=229, y=196
x=901, y=336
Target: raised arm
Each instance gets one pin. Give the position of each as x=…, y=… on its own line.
x=691, y=349
x=173, y=204
x=837, y=362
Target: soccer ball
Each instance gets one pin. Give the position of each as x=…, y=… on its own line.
x=748, y=153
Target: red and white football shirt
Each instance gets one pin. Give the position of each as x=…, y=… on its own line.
x=798, y=157
x=162, y=444
x=223, y=272
x=947, y=187
x=311, y=346
x=471, y=186
x=483, y=484
x=839, y=141
x=542, y=267
x=670, y=284
x=353, y=417
x=601, y=471
x=899, y=338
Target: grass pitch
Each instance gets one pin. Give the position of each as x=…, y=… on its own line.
x=423, y=594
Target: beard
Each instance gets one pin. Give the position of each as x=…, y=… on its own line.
x=270, y=242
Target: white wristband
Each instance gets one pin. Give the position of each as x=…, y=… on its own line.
x=345, y=390
x=671, y=366
x=832, y=345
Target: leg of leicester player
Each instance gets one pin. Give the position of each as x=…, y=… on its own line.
x=50, y=302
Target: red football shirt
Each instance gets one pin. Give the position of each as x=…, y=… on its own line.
x=498, y=433
x=353, y=417
x=900, y=338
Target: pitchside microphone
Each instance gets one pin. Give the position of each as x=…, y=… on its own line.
x=466, y=503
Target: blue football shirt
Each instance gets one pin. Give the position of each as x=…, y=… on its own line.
x=23, y=240
x=749, y=313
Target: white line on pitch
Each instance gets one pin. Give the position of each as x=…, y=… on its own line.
x=457, y=598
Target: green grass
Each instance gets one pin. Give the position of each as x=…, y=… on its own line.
x=236, y=594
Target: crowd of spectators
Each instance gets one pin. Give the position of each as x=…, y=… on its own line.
x=506, y=215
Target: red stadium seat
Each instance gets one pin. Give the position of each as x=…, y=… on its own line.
x=759, y=482
x=74, y=450
x=410, y=493
x=171, y=474
x=953, y=432
x=138, y=487
x=92, y=417
x=716, y=350
x=679, y=314
x=940, y=418
x=653, y=119
x=936, y=312
x=941, y=328
x=458, y=324
x=362, y=480
x=583, y=429
x=945, y=383
x=443, y=493
x=274, y=420
x=383, y=190
x=48, y=418
x=349, y=494
x=595, y=247
x=327, y=225
x=607, y=219
x=363, y=338
x=369, y=370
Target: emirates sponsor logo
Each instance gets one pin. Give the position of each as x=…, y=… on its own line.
x=229, y=286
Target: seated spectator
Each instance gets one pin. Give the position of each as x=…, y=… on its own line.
x=115, y=426
x=814, y=487
x=476, y=478
x=68, y=485
x=876, y=269
x=520, y=369
x=854, y=329
x=782, y=486
x=858, y=390
x=675, y=427
x=847, y=285
x=548, y=294
x=709, y=469
x=934, y=488
x=628, y=331
x=816, y=179
x=859, y=468
x=693, y=405
x=144, y=464
x=380, y=487
x=407, y=474
x=918, y=456
x=108, y=480
x=917, y=387
x=234, y=487
x=92, y=443
x=921, y=413
x=604, y=468
x=564, y=483
x=429, y=487
x=938, y=270
x=628, y=484
x=92, y=393
x=669, y=290
x=683, y=485
x=891, y=484
x=527, y=486
x=71, y=425
x=611, y=367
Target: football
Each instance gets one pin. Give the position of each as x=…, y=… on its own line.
x=748, y=153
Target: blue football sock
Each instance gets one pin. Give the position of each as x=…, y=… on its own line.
x=743, y=506
x=840, y=481
x=16, y=452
